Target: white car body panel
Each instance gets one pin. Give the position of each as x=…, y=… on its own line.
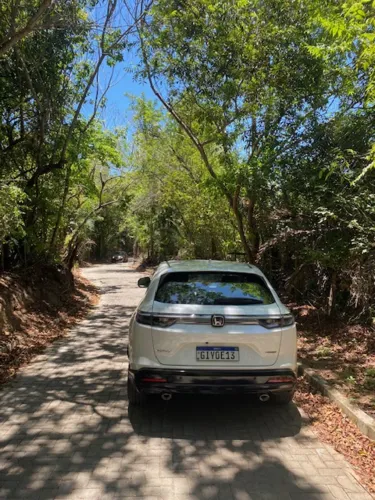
x=175, y=346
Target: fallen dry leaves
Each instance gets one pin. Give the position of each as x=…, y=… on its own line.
x=333, y=427
x=40, y=325
x=33, y=321
x=343, y=353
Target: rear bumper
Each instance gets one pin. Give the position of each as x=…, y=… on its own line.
x=157, y=381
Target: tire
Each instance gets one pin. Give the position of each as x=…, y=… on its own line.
x=283, y=398
x=135, y=397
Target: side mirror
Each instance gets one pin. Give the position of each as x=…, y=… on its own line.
x=144, y=282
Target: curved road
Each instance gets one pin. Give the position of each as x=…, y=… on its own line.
x=66, y=430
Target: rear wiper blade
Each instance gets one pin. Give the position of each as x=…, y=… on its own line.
x=237, y=301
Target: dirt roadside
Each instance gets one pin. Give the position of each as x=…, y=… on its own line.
x=37, y=308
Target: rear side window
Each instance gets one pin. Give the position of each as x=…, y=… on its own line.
x=213, y=288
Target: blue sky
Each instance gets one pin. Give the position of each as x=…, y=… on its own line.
x=117, y=112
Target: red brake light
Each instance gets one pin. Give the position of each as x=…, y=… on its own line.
x=154, y=379
x=280, y=379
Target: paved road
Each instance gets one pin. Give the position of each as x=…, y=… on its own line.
x=66, y=430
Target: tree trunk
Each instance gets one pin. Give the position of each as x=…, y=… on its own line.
x=135, y=250
x=213, y=248
x=61, y=208
x=72, y=253
x=101, y=246
x=332, y=293
x=152, y=247
x=245, y=243
x=2, y=257
x=253, y=228
x=240, y=226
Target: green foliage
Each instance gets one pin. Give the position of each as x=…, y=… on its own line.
x=275, y=99
x=59, y=166
x=265, y=144
x=323, y=352
x=349, y=42
x=369, y=383
x=175, y=208
x=11, y=222
x=240, y=76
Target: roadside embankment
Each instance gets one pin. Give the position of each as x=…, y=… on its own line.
x=37, y=306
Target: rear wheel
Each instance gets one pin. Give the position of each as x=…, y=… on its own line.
x=283, y=398
x=135, y=397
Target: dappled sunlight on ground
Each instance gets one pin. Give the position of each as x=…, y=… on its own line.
x=66, y=430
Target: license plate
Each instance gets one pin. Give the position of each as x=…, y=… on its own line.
x=205, y=353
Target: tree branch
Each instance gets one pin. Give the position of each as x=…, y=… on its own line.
x=11, y=40
x=45, y=169
x=180, y=121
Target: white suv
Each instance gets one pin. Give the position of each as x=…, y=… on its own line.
x=211, y=327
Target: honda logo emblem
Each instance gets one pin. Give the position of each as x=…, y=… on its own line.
x=217, y=320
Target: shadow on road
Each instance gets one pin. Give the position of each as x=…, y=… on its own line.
x=232, y=447
x=66, y=431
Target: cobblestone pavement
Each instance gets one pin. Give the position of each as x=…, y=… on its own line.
x=66, y=430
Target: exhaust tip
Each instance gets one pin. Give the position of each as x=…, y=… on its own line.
x=166, y=396
x=264, y=397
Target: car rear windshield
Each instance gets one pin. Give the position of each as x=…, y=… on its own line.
x=213, y=288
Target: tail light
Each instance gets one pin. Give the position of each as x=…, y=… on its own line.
x=154, y=379
x=281, y=379
x=144, y=318
x=163, y=321
x=155, y=320
x=287, y=320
